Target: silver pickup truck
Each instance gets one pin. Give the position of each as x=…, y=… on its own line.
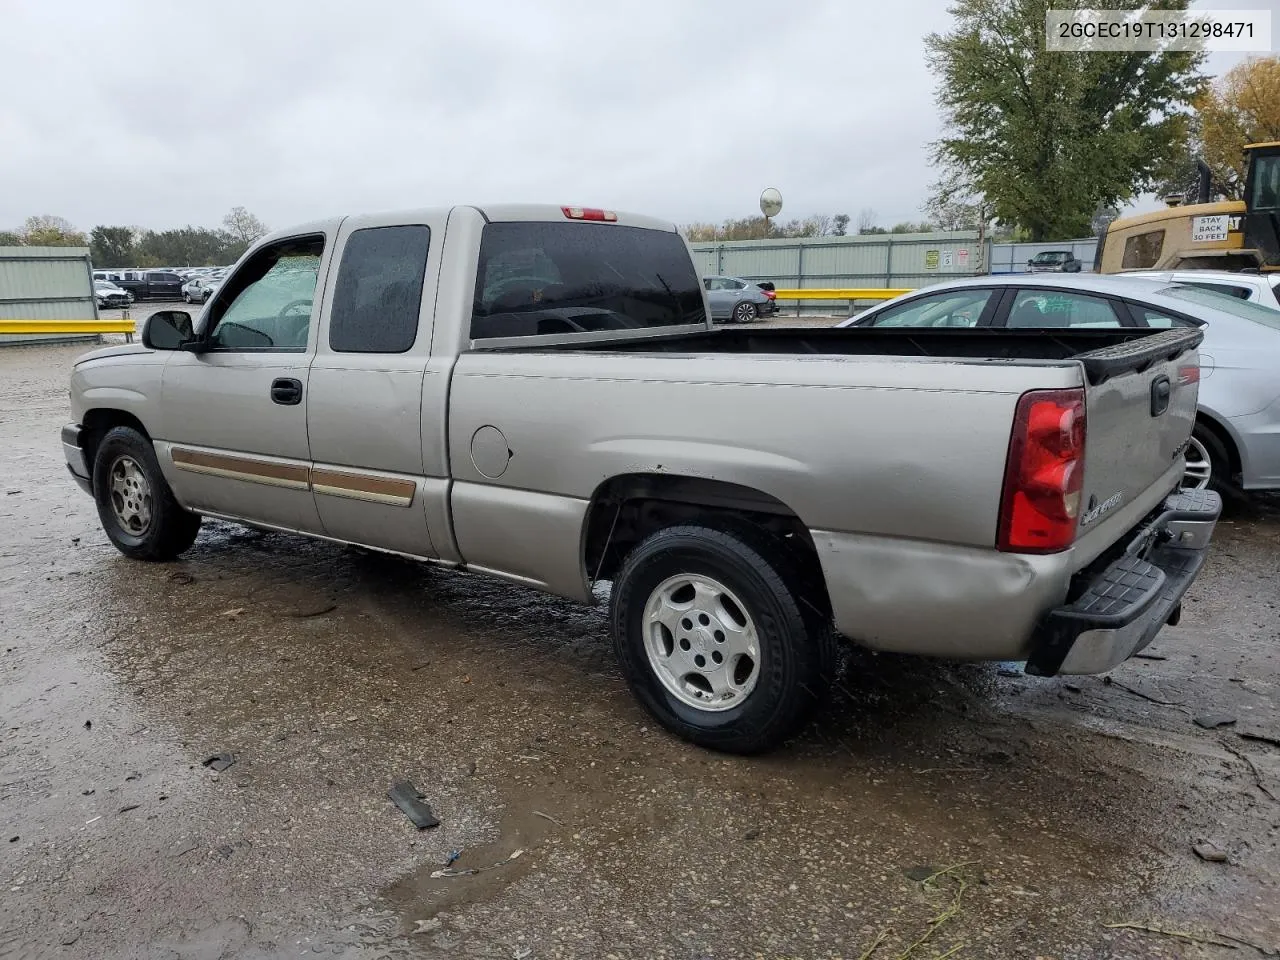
x=537, y=393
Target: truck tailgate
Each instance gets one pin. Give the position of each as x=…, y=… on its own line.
x=1140, y=407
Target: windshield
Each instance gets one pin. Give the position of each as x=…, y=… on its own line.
x=1049, y=257
x=1266, y=183
x=1225, y=302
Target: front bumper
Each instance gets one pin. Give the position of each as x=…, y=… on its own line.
x=1120, y=607
x=74, y=453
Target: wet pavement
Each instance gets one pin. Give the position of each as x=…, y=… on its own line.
x=934, y=809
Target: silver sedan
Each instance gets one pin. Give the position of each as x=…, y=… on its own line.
x=1236, y=442
x=736, y=301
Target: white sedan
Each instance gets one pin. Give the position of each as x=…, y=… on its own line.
x=200, y=289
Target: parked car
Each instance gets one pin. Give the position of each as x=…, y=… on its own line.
x=1054, y=261
x=1236, y=440
x=199, y=289
x=537, y=393
x=1261, y=288
x=109, y=275
x=110, y=296
x=152, y=284
x=736, y=301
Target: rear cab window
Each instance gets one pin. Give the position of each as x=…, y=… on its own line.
x=378, y=296
x=548, y=278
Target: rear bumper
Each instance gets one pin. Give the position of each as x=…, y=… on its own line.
x=1120, y=607
x=74, y=453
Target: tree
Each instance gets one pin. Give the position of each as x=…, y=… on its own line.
x=840, y=224
x=1242, y=107
x=1044, y=138
x=243, y=227
x=50, y=231
x=111, y=246
x=1102, y=218
x=9, y=238
x=866, y=220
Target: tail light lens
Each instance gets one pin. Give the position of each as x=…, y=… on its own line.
x=1044, y=474
x=770, y=294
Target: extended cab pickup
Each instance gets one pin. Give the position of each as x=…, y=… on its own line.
x=537, y=393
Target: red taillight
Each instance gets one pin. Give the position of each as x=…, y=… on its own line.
x=1044, y=473
x=1188, y=375
x=589, y=213
x=770, y=294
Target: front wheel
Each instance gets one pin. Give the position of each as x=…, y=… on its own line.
x=1207, y=463
x=135, y=505
x=712, y=640
x=744, y=312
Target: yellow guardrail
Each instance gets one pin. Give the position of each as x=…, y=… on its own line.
x=66, y=326
x=856, y=293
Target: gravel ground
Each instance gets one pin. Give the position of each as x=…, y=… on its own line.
x=1045, y=812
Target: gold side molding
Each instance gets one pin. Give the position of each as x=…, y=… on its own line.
x=295, y=476
x=392, y=491
x=363, y=486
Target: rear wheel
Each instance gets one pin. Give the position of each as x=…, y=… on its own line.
x=135, y=505
x=712, y=640
x=744, y=312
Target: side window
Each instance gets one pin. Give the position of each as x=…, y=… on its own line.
x=379, y=290
x=737, y=285
x=1154, y=318
x=1226, y=289
x=1142, y=251
x=543, y=278
x=708, y=283
x=955, y=308
x=267, y=304
x=1054, y=308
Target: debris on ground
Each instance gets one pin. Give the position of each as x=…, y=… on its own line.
x=1149, y=656
x=452, y=858
x=935, y=923
x=88, y=724
x=1209, y=852
x=427, y=926
x=182, y=577
x=1253, y=768
x=410, y=801
x=547, y=816
x=132, y=806
x=1214, y=938
x=233, y=612
x=1211, y=721
x=1008, y=672
x=313, y=612
x=471, y=871
x=219, y=762
x=1112, y=682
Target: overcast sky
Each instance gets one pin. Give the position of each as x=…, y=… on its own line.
x=161, y=114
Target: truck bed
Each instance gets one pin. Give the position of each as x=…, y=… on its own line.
x=1103, y=352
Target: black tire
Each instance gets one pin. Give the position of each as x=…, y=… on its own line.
x=745, y=312
x=796, y=644
x=1220, y=477
x=169, y=529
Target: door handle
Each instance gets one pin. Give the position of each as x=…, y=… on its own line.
x=286, y=390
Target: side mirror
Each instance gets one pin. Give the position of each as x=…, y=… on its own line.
x=167, y=330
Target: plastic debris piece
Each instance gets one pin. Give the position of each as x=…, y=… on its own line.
x=406, y=796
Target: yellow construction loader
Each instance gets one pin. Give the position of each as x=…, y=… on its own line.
x=1226, y=235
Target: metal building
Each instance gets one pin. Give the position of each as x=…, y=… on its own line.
x=46, y=284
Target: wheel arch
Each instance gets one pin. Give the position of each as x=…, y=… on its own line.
x=627, y=508
x=97, y=422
